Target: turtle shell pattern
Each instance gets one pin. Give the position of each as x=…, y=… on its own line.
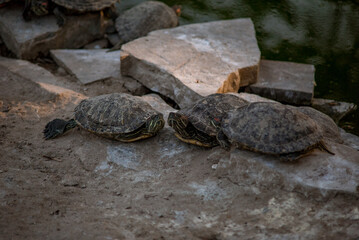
x=212, y=107
x=112, y=114
x=326, y=124
x=271, y=128
x=144, y=18
x=85, y=5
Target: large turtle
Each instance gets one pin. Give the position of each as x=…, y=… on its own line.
x=326, y=124
x=273, y=128
x=117, y=116
x=59, y=7
x=200, y=123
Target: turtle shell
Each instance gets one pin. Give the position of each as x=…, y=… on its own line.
x=212, y=107
x=326, y=124
x=85, y=5
x=271, y=128
x=113, y=114
x=144, y=18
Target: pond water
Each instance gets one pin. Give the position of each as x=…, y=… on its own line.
x=324, y=33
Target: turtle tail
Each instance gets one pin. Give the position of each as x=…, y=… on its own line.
x=58, y=127
x=322, y=146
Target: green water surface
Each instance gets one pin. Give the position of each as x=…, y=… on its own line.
x=318, y=32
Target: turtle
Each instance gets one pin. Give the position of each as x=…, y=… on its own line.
x=143, y=18
x=60, y=7
x=273, y=128
x=326, y=124
x=200, y=123
x=117, y=116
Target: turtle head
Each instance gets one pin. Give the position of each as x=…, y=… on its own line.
x=40, y=7
x=155, y=124
x=177, y=121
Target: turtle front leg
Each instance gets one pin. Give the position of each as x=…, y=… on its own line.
x=60, y=16
x=58, y=127
x=223, y=140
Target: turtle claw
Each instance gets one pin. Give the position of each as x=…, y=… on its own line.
x=54, y=128
x=223, y=141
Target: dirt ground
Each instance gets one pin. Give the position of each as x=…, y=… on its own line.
x=71, y=188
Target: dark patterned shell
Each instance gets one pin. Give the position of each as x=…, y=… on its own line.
x=144, y=18
x=212, y=107
x=327, y=126
x=271, y=128
x=85, y=5
x=113, y=113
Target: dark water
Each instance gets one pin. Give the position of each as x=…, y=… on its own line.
x=318, y=32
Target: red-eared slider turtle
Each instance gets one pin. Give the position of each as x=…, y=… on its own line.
x=117, y=116
x=273, y=128
x=59, y=7
x=200, y=123
x=326, y=124
x=144, y=18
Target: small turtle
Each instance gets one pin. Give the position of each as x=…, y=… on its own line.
x=117, y=116
x=200, y=123
x=60, y=7
x=143, y=18
x=273, y=128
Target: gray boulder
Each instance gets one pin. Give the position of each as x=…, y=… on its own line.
x=286, y=82
x=29, y=39
x=195, y=60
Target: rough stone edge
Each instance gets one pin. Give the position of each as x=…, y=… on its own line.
x=48, y=83
x=130, y=66
x=51, y=39
x=275, y=94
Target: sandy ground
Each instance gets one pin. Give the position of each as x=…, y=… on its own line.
x=59, y=189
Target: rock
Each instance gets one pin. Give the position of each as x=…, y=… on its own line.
x=350, y=140
x=13, y=89
x=88, y=65
x=134, y=87
x=70, y=181
x=28, y=39
x=249, y=97
x=144, y=18
x=113, y=38
x=99, y=44
x=336, y=110
x=38, y=75
x=194, y=60
x=318, y=173
x=286, y=82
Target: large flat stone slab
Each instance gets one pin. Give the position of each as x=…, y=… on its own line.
x=89, y=65
x=316, y=174
x=191, y=61
x=286, y=82
x=40, y=77
x=28, y=39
